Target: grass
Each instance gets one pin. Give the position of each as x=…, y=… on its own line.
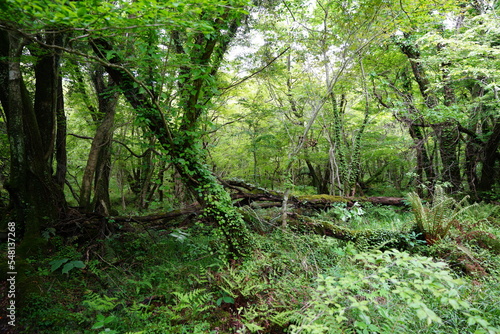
x=150, y=280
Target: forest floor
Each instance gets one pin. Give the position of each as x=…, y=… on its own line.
x=377, y=275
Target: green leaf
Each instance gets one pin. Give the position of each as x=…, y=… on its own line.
x=56, y=264
x=228, y=299
x=67, y=267
x=79, y=264
x=98, y=325
x=421, y=314
x=225, y=299
x=73, y=264
x=81, y=11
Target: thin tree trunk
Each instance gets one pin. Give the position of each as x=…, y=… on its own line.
x=61, y=151
x=95, y=178
x=101, y=201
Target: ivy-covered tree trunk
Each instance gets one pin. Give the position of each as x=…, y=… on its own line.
x=446, y=133
x=338, y=159
x=195, y=88
x=449, y=139
x=425, y=168
x=482, y=143
x=36, y=196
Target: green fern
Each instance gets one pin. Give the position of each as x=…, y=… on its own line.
x=240, y=283
x=196, y=301
x=101, y=304
x=434, y=221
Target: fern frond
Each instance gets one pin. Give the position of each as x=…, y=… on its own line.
x=435, y=220
x=97, y=303
x=193, y=296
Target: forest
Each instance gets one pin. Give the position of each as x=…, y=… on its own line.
x=250, y=166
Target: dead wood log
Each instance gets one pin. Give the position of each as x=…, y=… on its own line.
x=246, y=194
x=363, y=239
x=193, y=209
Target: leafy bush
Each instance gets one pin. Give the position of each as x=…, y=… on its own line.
x=340, y=213
x=391, y=292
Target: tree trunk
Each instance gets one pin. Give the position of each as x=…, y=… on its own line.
x=449, y=138
x=316, y=181
x=61, y=151
x=490, y=157
x=98, y=168
x=36, y=197
x=185, y=150
x=472, y=158
x=447, y=134
x=147, y=169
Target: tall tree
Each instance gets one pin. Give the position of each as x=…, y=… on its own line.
x=36, y=130
x=202, y=54
x=94, y=192
x=190, y=40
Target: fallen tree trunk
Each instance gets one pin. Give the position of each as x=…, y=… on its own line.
x=193, y=209
x=363, y=239
x=246, y=194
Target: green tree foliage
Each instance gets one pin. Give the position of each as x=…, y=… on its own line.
x=314, y=106
x=166, y=71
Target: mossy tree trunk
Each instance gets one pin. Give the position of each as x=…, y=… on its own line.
x=35, y=128
x=490, y=156
x=482, y=143
x=449, y=139
x=446, y=133
x=182, y=142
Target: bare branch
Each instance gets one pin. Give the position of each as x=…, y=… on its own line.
x=257, y=72
x=123, y=144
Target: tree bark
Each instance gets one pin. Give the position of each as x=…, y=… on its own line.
x=479, y=151
x=449, y=135
x=449, y=138
x=253, y=194
x=446, y=133
x=36, y=196
x=61, y=151
x=490, y=157
x=97, y=171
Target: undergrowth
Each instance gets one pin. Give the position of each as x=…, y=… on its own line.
x=153, y=280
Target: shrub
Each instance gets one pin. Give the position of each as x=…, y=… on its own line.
x=391, y=292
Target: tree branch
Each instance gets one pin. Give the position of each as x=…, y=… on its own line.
x=121, y=143
x=257, y=72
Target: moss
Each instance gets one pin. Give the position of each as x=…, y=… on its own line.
x=364, y=239
x=323, y=199
x=30, y=246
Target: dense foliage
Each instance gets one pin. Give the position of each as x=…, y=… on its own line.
x=238, y=166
